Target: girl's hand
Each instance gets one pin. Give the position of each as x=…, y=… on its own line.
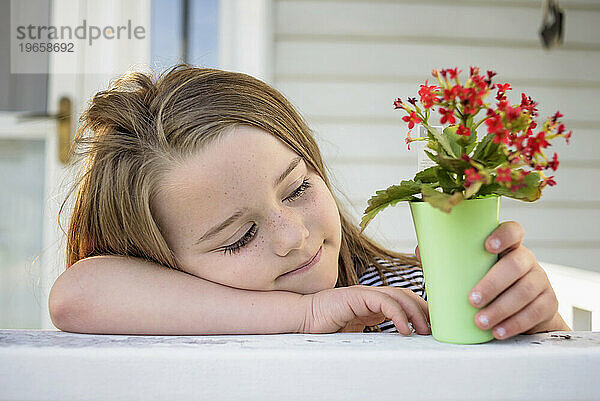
x=350, y=309
x=516, y=294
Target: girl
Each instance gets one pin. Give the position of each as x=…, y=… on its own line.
x=203, y=207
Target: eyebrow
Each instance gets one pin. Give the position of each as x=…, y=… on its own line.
x=213, y=232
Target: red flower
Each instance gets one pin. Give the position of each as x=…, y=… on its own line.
x=512, y=113
x=503, y=175
x=501, y=136
x=553, y=164
x=503, y=87
x=451, y=94
x=556, y=116
x=479, y=81
x=472, y=176
x=535, y=143
x=471, y=100
x=408, y=140
x=453, y=73
x=532, y=125
x=427, y=97
x=447, y=116
x=508, y=125
x=462, y=130
x=528, y=104
x=548, y=181
x=503, y=104
x=494, y=123
x=412, y=119
x=517, y=141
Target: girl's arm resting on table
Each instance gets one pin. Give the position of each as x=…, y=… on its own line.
x=118, y=295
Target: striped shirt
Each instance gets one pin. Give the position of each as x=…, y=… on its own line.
x=406, y=276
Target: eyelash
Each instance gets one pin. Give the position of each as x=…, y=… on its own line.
x=252, y=232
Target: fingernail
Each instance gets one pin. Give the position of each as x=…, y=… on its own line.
x=500, y=331
x=475, y=297
x=483, y=320
x=495, y=244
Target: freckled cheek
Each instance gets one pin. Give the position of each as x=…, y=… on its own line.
x=325, y=210
x=249, y=270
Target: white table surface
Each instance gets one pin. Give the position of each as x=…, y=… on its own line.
x=54, y=365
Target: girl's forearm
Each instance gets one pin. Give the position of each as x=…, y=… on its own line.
x=117, y=295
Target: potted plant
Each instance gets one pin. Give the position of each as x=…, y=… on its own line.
x=455, y=203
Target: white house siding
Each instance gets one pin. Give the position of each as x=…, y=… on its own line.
x=342, y=63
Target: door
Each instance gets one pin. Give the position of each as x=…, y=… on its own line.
x=34, y=176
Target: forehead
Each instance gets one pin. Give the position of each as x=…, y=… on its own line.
x=231, y=166
x=245, y=145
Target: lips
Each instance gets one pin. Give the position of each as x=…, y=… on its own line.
x=308, y=264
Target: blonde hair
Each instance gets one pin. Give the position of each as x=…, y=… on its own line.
x=143, y=124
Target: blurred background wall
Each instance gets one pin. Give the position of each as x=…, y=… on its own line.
x=341, y=63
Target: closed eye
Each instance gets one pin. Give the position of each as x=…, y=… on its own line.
x=252, y=231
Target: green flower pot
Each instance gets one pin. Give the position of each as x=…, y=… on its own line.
x=454, y=259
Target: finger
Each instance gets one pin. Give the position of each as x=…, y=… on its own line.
x=367, y=304
x=502, y=275
x=399, y=294
x=505, y=238
x=358, y=324
x=536, y=311
x=424, y=306
x=391, y=309
x=412, y=304
x=515, y=298
x=417, y=253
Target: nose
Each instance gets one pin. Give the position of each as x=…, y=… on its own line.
x=289, y=231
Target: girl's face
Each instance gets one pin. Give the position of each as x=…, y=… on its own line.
x=282, y=224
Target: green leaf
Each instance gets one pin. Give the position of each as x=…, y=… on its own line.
x=452, y=164
x=488, y=189
x=471, y=139
x=431, y=156
x=470, y=121
x=472, y=190
x=389, y=197
x=441, y=201
x=454, y=139
x=479, y=152
x=442, y=140
x=470, y=147
x=460, y=141
x=428, y=175
x=495, y=160
x=530, y=193
x=491, y=149
x=447, y=182
x=489, y=154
